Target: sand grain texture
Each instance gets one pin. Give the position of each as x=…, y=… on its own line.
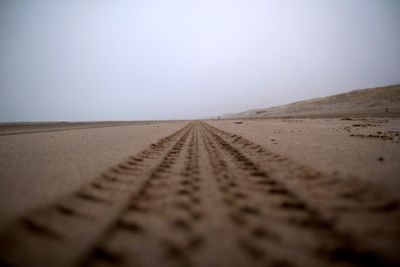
x=208, y=196
x=40, y=162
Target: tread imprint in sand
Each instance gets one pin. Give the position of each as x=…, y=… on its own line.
x=204, y=197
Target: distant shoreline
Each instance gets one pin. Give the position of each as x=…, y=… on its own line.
x=41, y=127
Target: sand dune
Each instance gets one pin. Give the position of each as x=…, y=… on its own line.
x=381, y=101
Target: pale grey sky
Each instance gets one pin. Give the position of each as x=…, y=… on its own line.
x=140, y=60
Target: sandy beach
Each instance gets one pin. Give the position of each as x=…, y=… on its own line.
x=40, y=162
x=199, y=133
x=270, y=192
x=360, y=148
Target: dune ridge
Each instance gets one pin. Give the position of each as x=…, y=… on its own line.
x=374, y=102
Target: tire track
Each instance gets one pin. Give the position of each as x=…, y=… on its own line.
x=159, y=222
x=329, y=241
x=259, y=224
x=204, y=197
x=61, y=233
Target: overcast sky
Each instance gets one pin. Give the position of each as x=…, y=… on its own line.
x=140, y=60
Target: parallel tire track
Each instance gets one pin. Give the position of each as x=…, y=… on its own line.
x=204, y=197
x=158, y=222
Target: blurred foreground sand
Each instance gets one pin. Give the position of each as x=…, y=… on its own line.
x=276, y=192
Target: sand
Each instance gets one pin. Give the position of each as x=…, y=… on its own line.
x=373, y=102
x=361, y=148
x=40, y=162
x=218, y=193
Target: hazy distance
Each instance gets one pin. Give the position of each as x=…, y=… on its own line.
x=146, y=60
